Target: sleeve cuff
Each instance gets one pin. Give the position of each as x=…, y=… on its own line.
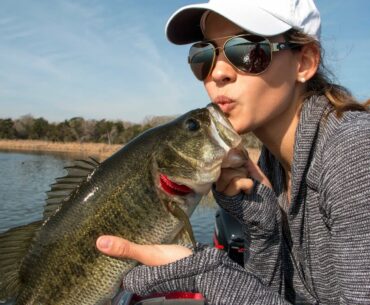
x=180, y=275
x=258, y=209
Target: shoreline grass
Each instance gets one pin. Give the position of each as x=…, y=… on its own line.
x=97, y=150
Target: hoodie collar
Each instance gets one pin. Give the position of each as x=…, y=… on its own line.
x=312, y=112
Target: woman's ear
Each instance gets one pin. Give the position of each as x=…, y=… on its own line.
x=309, y=61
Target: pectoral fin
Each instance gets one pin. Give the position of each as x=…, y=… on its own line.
x=181, y=215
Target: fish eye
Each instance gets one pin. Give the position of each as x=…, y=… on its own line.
x=192, y=124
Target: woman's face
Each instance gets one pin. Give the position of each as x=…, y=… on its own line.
x=251, y=102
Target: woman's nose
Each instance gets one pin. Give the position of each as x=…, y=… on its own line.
x=223, y=72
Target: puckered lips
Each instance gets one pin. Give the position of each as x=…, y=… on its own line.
x=172, y=187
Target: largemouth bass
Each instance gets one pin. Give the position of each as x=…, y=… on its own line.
x=145, y=193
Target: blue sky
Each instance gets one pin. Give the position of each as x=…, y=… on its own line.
x=110, y=58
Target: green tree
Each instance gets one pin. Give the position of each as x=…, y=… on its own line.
x=39, y=129
x=103, y=131
x=65, y=133
x=7, y=130
x=131, y=132
x=53, y=133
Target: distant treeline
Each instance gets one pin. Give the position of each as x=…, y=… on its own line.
x=80, y=130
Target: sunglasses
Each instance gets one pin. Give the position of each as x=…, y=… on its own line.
x=247, y=52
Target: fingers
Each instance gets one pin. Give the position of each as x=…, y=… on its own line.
x=228, y=175
x=234, y=180
x=151, y=255
x=237, y=185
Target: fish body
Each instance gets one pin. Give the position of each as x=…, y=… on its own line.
x=138, y=193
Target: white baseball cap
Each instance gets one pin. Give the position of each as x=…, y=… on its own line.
x=262, y=17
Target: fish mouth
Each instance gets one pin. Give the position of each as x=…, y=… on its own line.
x=172, y=187
x=226, y=138
x=222, y=130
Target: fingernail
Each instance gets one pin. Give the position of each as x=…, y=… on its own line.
x=104, y=243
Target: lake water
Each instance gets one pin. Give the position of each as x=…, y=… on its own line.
x=24, y=179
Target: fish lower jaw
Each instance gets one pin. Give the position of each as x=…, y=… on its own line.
x=202, y=189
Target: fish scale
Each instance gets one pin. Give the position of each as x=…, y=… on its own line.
x=109, y=268
x=56, y=262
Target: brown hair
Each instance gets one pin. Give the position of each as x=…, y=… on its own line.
x=320, y=84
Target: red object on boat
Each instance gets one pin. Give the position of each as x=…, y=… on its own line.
x=217, y=243
x=171, y=296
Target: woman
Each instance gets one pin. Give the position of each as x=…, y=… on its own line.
x=306, y=205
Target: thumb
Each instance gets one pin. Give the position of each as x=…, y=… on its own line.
x=116, y=246
x=150, y=255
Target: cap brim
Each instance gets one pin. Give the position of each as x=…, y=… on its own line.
x=183, y=26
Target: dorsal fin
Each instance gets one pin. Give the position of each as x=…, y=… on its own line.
x=61, y=190
x=14, y=245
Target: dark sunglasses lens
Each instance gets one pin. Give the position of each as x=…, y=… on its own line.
x=201, y=59
x=252, y=55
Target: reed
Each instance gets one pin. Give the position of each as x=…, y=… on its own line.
x=97, y=150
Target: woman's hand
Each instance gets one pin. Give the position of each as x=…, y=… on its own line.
x=233, y=180
x=150, y=255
